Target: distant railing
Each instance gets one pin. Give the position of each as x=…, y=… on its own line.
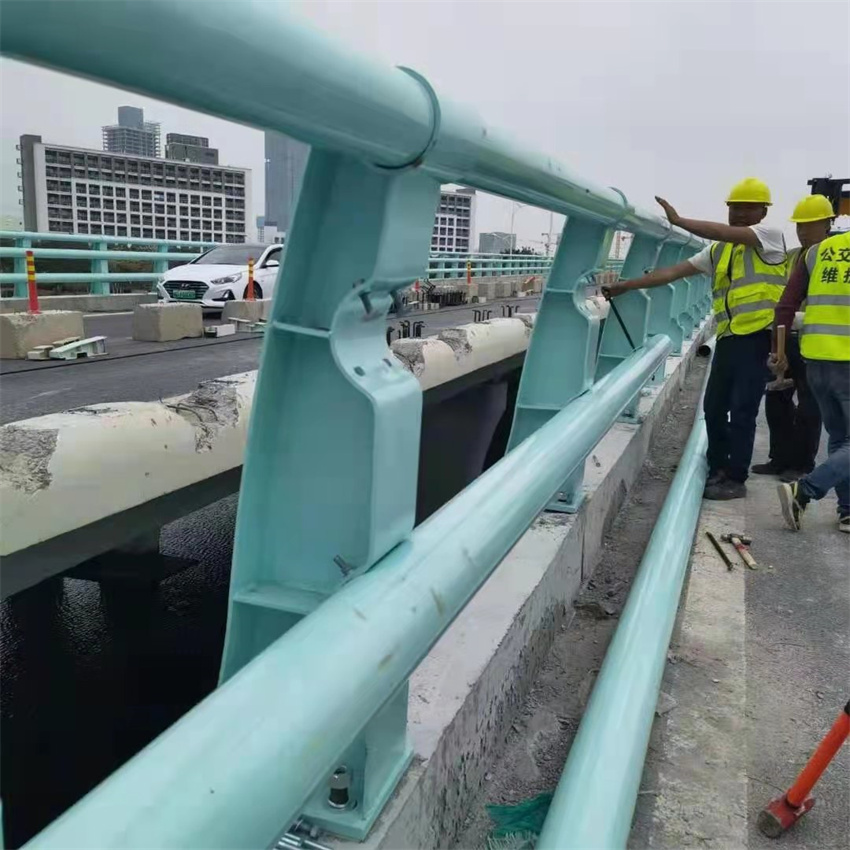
x=100, y=277
x=335, y=598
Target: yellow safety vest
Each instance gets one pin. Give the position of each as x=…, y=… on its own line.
x=746, y=289
x=826, y=322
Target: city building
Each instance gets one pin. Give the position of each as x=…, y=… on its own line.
x=190, y=149
x=268, y=234
x=496, y=242
x=74, y=190
x=132, y=134
x=286, y=160
x=454, y=223
x=11, y=222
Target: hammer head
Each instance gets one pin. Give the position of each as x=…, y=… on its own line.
x=779, y=384
x=727, y=538
x=779, y=815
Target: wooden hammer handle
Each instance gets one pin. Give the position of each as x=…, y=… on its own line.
x=780, y=342
x=743, y=551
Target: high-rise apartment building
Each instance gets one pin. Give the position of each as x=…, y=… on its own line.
x=184, y=148
x=286, y=160
x=132, y=134
x=496, y=242
x=74, y=190
x=454, y=223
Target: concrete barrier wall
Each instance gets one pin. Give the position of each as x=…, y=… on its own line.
x=117, y=303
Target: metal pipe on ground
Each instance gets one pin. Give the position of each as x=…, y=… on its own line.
x=238, y=768
x=595, y=799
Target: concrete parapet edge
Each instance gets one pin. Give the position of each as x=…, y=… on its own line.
x=466, y=692
x=70, y=470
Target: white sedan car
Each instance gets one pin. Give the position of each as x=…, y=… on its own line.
x=221, y=275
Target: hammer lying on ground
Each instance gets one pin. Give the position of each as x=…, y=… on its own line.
x=740, y=542
x=779, y=383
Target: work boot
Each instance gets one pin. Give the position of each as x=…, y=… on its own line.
x=715, y=478
x=725, y=490
x=844, y=524
x=769, y=468
x=793, y=502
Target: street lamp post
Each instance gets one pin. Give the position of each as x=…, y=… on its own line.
x=515, y=205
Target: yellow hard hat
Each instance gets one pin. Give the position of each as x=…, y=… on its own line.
x=813, y=208
x=749, y=191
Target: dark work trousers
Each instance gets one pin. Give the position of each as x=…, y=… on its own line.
x=794, y=428
x=732, y=397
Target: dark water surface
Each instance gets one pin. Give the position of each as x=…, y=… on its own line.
x=90, y=675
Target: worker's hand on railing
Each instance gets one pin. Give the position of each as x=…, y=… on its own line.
x=778, y=365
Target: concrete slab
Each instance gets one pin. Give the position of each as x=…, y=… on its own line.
x=117, y=303
x=21, y=332
x=167, y=322
x=249, y=311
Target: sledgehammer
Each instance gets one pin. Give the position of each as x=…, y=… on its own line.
x=783, y=812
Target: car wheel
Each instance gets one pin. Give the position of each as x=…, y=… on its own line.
x=258, y=292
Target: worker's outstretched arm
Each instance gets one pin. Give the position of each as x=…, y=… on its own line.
x=659, y=277
x=714, y=230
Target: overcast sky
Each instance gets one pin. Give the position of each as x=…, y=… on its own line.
x=674, y=97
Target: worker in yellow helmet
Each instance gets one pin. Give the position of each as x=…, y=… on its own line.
x=747, y=263
x=795, y=429
x=822, y=280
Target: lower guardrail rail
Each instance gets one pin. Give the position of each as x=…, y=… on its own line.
x=596, y=796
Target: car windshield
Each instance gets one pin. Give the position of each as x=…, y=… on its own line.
x=231, y=255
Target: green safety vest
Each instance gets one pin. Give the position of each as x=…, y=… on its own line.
x=745, y=288
x=826, y=322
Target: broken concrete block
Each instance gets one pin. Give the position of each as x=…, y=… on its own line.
x=665, y=703
x=249, y=311
x=220, y=330
x=167, y=322
x=22, y=332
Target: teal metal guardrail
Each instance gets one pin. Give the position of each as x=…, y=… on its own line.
x=440, y=266
x=326, y=562
x=254, y=746
x=100, y=277
x=595, y=800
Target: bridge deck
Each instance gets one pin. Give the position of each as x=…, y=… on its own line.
x=145, y=371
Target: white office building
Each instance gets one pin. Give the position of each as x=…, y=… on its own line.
x=74, y=190
x=454, y=223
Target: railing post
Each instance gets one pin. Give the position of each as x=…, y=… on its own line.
x=329, y=483
x=161, y=266
x=100, y=287
x=662, y=319
x=633, y=308
x=561, y=357
x=20, y=266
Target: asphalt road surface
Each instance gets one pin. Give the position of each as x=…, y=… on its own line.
x=139, y=371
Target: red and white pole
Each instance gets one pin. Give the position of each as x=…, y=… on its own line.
x=468, y=272
x=32, y=289
x=250, y=279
